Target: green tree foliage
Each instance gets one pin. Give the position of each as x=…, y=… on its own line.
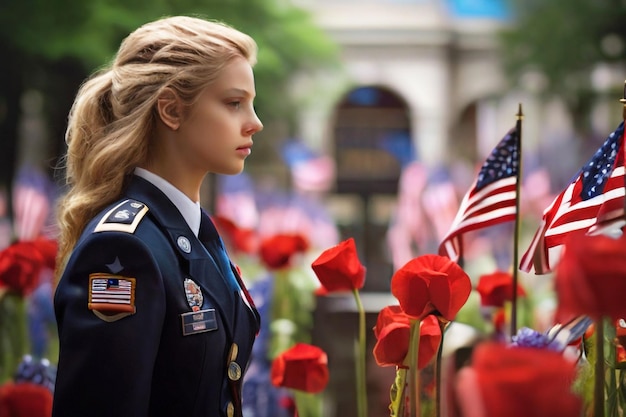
x=52, y=45
x=565, y=40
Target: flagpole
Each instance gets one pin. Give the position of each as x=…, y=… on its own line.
x=623, y=101
x=516, y=232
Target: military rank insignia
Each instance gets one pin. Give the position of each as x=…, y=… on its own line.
x=124, y=217
x=111, y=297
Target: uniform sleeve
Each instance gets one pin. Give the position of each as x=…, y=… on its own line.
x=110, y=306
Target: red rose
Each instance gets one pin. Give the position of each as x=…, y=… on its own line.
x=277, y=251
x=320, y=291
x=499, y=320
x=620, y=331
x=590, y=277
x=620, y=355
x=521, y=382
x=239, y=239
x=431, y=284
x=389, y=315
x=496, y=288
x=339, y=269
x=22, y=262
x=25, y=400
x=48, y=249
x=392, y=332
x=303, y=367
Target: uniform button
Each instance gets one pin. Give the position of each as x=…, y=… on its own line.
x=234, y=371
x=230, y=410
x=234, y=350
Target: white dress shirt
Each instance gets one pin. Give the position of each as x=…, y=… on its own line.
x=189, y=209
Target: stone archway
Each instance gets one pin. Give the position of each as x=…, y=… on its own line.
x=372, y=142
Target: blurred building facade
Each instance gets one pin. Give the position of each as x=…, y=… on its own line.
x=436, y=56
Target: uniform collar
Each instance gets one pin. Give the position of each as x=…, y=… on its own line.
x=189, y=209
x=165, y=213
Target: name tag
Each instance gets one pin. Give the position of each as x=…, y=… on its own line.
x=199, y=321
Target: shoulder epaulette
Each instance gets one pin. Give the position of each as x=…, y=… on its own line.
x=124, y=217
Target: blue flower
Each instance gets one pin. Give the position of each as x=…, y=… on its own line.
x=533, y=339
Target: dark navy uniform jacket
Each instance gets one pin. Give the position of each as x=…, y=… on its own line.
x=131, y=344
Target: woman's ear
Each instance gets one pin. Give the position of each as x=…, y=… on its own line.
x=170, y=108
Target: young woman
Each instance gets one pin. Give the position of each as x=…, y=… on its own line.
x=153, y=319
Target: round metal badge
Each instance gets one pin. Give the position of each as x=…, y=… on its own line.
x=194, y=294
x=184, y=244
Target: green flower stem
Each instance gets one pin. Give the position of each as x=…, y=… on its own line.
x=598, y=386
x=282, y=308
x=13, y=343
x=397, y=394
x=442, y=327
x=280, y=300
x=621, y=387
x=414, y=388
x=307, y=404
x=611, y=377
x=360, y=359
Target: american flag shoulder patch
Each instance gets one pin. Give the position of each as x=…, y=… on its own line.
x=111, y=294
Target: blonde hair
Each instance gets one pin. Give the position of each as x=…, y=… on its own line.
x=113, y=116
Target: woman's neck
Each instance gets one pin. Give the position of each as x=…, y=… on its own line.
x=188, y=185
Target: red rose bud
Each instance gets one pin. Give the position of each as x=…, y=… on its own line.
x=22, y=262
x=620, y=356
x=339, y=269
x=590, y=277
x=430, y=338
x=25, y=400
x=303, y=367
x=392, y=332
x=388, y=315
x=496, y=288
x=431, y=284
x=277, y=251
x=521, y=382
x=320, y=291
x=499, y=320
x=240, y=239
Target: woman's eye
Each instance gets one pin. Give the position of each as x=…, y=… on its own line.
x=235, y=104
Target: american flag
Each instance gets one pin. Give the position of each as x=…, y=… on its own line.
x=591, y=203
x=111, y=291
x=491, y=199
x=31, y=203
x=310, y=171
